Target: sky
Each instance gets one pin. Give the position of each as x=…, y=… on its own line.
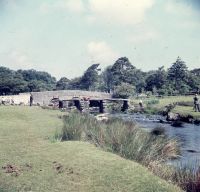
x=65, y=37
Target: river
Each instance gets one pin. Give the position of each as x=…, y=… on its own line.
x=188, y=135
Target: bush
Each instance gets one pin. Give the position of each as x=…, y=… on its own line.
x=125, y=90
x=123, y=138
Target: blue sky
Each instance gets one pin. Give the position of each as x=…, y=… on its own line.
x=64, y=37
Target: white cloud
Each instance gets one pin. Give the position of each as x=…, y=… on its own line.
x=101, y=52
x=120, y=11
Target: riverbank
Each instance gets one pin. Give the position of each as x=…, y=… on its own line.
x=151, y=149
x=33, y=160
x=180, y=107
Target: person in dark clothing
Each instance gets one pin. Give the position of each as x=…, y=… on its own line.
x=31, y=100
x=196, y=103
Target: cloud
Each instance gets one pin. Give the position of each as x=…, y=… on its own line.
x=121, y=11
x=101, y=52
x=73, y=6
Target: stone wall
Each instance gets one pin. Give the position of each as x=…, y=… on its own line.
x=16, y=99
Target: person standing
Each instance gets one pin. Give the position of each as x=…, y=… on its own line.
x=196, y=103
x=31, y=100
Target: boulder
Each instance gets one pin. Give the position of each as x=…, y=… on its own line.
x=173, y=116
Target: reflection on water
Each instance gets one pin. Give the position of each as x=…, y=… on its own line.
x=188, y=135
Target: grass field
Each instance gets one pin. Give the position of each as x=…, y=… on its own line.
x=30, y=159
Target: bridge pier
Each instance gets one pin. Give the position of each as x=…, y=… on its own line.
x=101, y=106
x=96, y=104
x=125, y=106
x=77, y=104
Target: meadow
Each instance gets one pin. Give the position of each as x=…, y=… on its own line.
x=32, y=159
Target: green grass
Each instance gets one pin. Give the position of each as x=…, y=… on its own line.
x=185, y=110
x=123, y=138
x=26, y=142
x=182, y=110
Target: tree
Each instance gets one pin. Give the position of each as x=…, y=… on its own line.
x=90, y=78
x=106, y=80
x=38, y=80
x=178, y=74
x=62, y=84
x=5, y=82
x=156, y=80
x=122, y=72
x=75, y=83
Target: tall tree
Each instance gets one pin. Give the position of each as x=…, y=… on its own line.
x=178, y=74
x=122, y=71
x=90, y=78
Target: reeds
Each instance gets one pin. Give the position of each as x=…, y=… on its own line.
x=123, y=138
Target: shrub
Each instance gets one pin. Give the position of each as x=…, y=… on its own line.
x=123, y=138
x=125, y=90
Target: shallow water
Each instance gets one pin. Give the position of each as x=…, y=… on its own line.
x=188, y=135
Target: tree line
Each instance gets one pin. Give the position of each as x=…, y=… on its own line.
x=122, y=79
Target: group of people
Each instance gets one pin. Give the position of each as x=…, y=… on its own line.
x=196, y=103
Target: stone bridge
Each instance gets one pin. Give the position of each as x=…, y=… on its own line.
x=82, y=100
x=43, y=98
x=65, y=98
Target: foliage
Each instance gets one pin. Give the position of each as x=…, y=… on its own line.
x=124, y=91
x=14, y=82
x=62, y=84
x=178, y=74
x=156, y=80
x=125, y=139
x=177, y=80
x=89, y=79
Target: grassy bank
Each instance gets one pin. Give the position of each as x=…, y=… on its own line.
x=31, y=160
x=184, y=105
x=127, y=140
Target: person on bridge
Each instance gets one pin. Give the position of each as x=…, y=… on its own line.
x=196, y=103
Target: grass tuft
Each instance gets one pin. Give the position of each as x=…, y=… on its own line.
x=125, y=139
